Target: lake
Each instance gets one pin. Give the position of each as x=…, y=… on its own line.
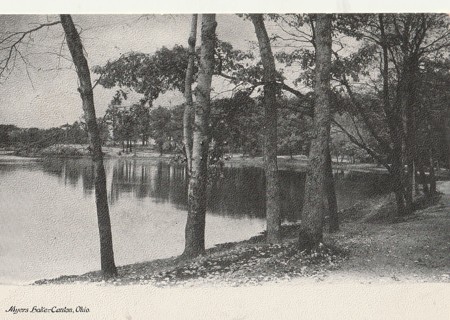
x=48, y=222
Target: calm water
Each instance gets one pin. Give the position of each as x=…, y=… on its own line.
x=48, y=223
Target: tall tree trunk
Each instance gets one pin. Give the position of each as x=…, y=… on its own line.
x=273, y=211
x=394, y=119
x=104, y=224
x=432, y=176
x=315, y=194
x=331, y=196
x=447, y=134
x=188, y=109
x=195, y=225
x=423, y=177
x=409, y=105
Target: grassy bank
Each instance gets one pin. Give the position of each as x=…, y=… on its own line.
x=239, y=263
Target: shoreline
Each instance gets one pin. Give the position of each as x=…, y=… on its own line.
x=296, y=163
x=365, y=250
x=285, y=163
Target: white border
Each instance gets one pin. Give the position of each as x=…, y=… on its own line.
x=219, y=6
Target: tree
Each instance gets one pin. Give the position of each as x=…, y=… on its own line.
x=315, y=194
x=148, y=75
x=160, y=129
x=236, y=125
x=195, y=225
x=188, y=109
x=74, y=43
x=294, y=128
x=273, y=211
x=6, y=134
x=402, y=43
x=298, y=34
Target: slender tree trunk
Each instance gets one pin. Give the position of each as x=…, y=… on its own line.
x=331, y=196
x=447, y=135
x=104, y=224
x=188, y=109
x=395, y=124
x=195, y=226
x=423, y=177
x=273, y=211
x=409, y=97
x=432, y=176
x=315, y=194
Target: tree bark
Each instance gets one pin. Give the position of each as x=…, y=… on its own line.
x=314, y=207
x=331, y=196
x=195, y=226
x=273, y=211
x=395, y=124
x=188, y=109
x=108, y=266
x=447, y=131
x=409, y=105
x=423, y=177
x=432, y=176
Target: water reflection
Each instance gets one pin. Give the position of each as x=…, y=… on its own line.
x=240, y=192
x=48, y=221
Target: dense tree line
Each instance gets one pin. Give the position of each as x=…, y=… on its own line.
x=12, y=136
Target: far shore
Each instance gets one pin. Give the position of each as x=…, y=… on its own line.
x=294, y=163
x=285, y=162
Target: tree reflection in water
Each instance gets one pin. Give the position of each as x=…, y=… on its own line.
x=238, y=193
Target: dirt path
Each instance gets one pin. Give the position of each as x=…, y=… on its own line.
x=416, y=250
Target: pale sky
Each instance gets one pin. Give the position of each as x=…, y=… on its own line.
x=51, y=98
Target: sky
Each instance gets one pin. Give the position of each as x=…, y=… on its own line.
x=43, y=92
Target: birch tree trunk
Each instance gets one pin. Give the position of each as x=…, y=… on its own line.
x=188, y=109
x=104, y=224
x=273, y=212
x=314, y=207
x=195, y=225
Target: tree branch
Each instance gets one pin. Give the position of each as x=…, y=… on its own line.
x=363, y=146
x=12, y=44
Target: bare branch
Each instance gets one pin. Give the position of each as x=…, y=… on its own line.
x=363, y=146
x=13, y=41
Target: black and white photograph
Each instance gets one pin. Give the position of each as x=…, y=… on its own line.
x=225, y=165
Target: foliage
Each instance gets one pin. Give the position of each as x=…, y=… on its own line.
x=235, y=126
x=294, y=129
x=14, y=137
x=165, y=130
x=149, y=75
